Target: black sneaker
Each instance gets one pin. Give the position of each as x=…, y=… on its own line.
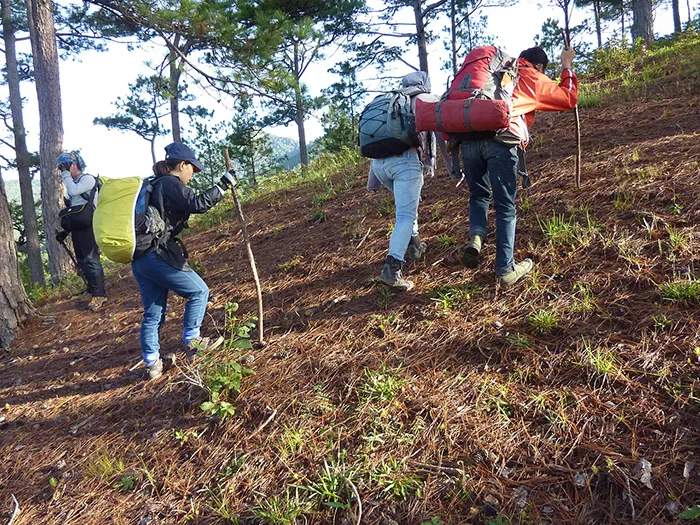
x=391, y=275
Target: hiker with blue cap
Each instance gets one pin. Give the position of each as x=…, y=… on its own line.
x=82, y=192
x=164, y=267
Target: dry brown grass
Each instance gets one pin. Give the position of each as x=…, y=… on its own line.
x=459, y=410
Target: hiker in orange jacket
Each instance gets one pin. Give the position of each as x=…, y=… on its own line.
x=492, y=164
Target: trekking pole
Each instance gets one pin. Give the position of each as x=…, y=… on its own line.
x=249, y=249
x=567, y=44
x=78, y=269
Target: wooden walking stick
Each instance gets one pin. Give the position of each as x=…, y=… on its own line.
x=249, y=249
x=567, y=44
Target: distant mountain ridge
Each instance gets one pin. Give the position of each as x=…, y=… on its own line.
x=284, y=148
x=13, y=193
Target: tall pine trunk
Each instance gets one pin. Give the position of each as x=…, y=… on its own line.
x=45, y=57
x=174, y=91
x=643, y=22
x=299, y=118
x=598, y=29
x=31, y=225
x=14, y=305
x=453, y=36
x=676, y=7
x=421, y=37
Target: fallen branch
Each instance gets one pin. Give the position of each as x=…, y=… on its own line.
x=15, y=512
x=365, y=237
x=267, y=421
x=359, y=501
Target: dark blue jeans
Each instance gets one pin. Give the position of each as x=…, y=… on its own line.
x=492, y=168
x=155, y=278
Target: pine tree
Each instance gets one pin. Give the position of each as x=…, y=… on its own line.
x=45, y=57
x=14, y=305
x=23, y=161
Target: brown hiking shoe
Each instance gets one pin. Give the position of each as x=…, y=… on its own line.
x=201, y=344
x=96, y=303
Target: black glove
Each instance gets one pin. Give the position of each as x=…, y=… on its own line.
x=64, y=166
x=61, y=236
x=228, y=180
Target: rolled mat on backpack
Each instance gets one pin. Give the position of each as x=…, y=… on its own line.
x=462, y=116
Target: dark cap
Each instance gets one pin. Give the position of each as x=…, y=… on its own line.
x=179, y=151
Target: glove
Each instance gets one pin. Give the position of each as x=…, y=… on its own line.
x=228, y=180
x=64, y=166
x=61, y=236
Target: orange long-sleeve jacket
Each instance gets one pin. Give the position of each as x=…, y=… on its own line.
x=538, y=92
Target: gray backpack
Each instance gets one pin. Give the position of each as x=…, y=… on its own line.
x=388, y=123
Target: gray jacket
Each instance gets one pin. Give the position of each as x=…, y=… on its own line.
x=76, y=188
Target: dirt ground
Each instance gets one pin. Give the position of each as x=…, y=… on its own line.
x=492, y=415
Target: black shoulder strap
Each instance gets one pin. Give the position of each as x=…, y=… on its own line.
x=89, y=196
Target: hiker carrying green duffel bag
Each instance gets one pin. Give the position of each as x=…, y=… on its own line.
x=125, y=224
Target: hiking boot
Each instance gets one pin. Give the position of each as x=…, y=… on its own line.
x=96, y=303
x=168, y=361
x=391, y=275
x=155, y=370
x=200, y=344
x=416, y=249
x=519, y=270
x=472, y=251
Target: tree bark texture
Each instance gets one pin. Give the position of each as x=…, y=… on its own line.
x=299, y=99
x=31, y=225
x=676, y=7
x=598, y=29
x=174, y=91
x=45, y=58
x=643, y=21
x=453, y=36
x=14, y=305
x=421, y=36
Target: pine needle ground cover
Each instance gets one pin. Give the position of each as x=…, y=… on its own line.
x=570, y=399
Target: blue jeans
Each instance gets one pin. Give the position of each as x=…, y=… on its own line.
x=155, y=278
x=403, y=175
x=491, y=166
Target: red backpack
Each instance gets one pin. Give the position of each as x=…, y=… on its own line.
x=479, y=98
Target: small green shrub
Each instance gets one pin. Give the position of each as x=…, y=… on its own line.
x=451, y=297
x=683, y=292
x=543, y=321
x=558, y=230
x=445, y=240
x=331, y=489
x=380, y=385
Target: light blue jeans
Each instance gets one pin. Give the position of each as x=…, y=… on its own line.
x=155, y=278
x=492, y=167
x=403, y=175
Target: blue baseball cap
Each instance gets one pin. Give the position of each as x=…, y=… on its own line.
x=179, y=151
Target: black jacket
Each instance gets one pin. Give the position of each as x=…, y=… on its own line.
x=175, y=202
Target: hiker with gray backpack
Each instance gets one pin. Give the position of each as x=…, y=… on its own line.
x=400, y=158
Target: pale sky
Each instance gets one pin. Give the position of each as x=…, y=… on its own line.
x=90, y=85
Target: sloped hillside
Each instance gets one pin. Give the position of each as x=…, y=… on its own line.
x=570, y=399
